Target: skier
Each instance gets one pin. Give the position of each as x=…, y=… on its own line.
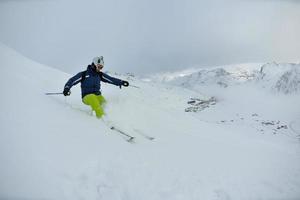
x=90, y=85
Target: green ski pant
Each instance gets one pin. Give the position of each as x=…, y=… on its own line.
x=96, y=102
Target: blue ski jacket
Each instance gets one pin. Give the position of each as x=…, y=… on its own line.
x=90, y=81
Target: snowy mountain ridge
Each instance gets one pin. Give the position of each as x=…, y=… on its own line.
x=282, y=77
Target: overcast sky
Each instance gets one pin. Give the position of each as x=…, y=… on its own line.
x=147, y=36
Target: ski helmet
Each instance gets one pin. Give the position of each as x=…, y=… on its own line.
x=98, y=60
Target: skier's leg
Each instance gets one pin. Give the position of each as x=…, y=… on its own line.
x=101, y=100
x=92, y=100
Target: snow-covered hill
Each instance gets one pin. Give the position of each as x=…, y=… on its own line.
x=242, y=145
x=282, y=78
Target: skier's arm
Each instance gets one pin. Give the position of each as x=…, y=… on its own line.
x=73, y=81
x=108, y=79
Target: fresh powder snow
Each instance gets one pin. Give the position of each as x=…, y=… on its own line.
x=223, y=133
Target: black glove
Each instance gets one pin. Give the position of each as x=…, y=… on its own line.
x=125, y=83
x=66, y=91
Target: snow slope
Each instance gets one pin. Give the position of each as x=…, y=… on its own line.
x=52, y=148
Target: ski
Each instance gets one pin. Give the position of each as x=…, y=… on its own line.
x=144, y=135
x=129, y=137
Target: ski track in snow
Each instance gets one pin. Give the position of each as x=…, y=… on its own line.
x=246, y=146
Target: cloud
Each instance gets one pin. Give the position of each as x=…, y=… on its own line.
x=148, y=36
x=294, y=1
x=25, y=0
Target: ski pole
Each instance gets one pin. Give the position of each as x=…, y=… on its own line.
x=53, y=93
x=134, y=86
x=56, y=93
